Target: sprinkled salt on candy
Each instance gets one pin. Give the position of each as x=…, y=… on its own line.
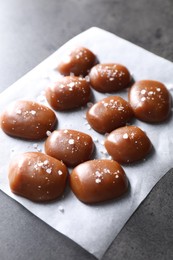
x=19, y=112
x=116, y=176
x=98, y=180
x=48, y=133
x=49, y=170
x=109, y=114
x=158, y=101
x=143, y=91
x=125, y=136
x=71, y=141
x=106, y=170
x=33, y=112
x=150, y=93
x=46, y=162
x=71, y=84
x=60, y=172
x=98, y=174
x=143, y=99
x=40, y=164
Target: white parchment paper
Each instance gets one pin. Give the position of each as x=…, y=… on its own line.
x=93, y=227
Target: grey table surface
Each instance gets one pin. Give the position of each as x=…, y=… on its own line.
x=29, y=32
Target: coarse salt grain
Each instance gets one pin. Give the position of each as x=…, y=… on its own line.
x=49, y=170
x=71, y=84
x=71, y=141
x=98, y=174
x=125, y=136
x=143, y=99
x=46, y=162
x=33, y=112
x=40, y=164
x=19, y=112
x=150, y=93
x=60, y=172
x=143, y=91
x=98, y=180
x=61, y=209
x=48, y=133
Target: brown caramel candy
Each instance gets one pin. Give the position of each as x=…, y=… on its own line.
x=28, y=120
x=150, y=101
x=37, y=177
x=79, y=62
x=68, y=93
x=98, y=181
x=128, y=144
x=70, y=146
x=109, y=77
x=109, y=113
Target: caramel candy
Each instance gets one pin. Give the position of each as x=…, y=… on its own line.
x=98, y=181
x=150, y=101
x=109, y=114
x=109, y=77
x=70, y=146
x=128, y=144
x=69, y=92
x=79, y=62
x=28, y=120
x=37, y=177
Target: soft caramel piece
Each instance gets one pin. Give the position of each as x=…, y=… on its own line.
x=150, y=101
x=109, y=77
x=98, y=180
x=128, y=144
x=28, y=120
x=79, y=62
x=109, y=113
x=70, y=146
x=37, y=177
x=68, y=93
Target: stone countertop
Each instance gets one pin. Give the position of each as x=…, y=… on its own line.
x=32, y=30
